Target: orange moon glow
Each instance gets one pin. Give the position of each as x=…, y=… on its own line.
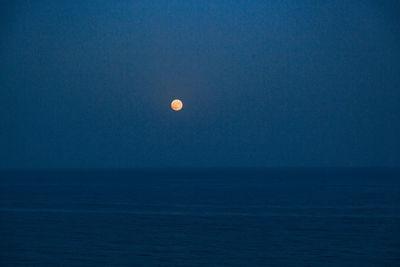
x=176, y=105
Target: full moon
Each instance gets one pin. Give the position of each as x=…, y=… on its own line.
x=176, y=104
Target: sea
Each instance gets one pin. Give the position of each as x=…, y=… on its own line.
x=200, y=217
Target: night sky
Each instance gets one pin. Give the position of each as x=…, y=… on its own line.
x=88, y=84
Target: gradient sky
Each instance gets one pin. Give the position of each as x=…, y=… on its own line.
x=88, y=84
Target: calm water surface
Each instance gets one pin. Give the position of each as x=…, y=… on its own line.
x=200, y=218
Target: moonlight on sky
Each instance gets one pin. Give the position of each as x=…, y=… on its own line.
x=176, y=104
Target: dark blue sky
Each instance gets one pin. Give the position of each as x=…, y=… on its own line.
x=88, y=84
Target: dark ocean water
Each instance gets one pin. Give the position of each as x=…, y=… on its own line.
x=200, y=218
